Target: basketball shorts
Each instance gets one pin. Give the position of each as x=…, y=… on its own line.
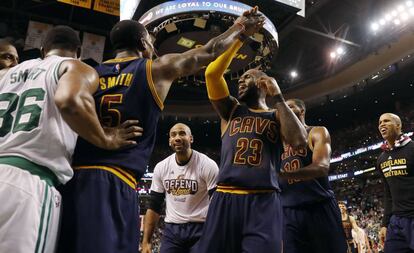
x=243, y=222
x=400, y=235
x=181, y=238
x=100, y=214
x=30, y=210
x=314, y=228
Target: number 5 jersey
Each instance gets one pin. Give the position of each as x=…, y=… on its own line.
x=126, y=92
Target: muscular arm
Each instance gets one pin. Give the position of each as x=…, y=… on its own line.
x=217, y=89
x=292, y=130
x=74, y=100
x=171, y=66
x=321, y=142
x=152, y=216
x=150, y=222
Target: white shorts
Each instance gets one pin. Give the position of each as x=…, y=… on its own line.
x=29, y=212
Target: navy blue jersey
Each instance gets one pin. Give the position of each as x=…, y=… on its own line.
x=126, y=91
x=298, y=192
x=250, y=152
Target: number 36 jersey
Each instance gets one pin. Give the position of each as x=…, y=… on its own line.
x=31, y=125
x=126, y=92
x=250, y=152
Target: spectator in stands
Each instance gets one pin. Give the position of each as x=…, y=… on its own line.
x=8, y=55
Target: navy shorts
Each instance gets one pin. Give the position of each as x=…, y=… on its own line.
x=400, y=235
x=100, y=214
x=181, y=238
x=315, y=228
x=248, y=223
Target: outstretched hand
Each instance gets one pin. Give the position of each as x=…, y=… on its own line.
x=251, y=20
x=122, y=135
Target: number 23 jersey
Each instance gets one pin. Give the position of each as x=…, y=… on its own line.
x=126, y=92
x=251, y=148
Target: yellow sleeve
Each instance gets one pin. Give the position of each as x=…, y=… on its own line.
x=215, y=82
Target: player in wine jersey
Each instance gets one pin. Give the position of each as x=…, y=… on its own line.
x=396, y=165
x=307, y=198
x=245, y=212
x=185, y=179
x=349, y=224
x=45, y=103
x=100, y=202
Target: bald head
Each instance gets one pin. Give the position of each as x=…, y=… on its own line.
x=389, y=125
x=392, y=116
x=8, y=55
x=256, y=72
x=180, y=138
x=181, y=126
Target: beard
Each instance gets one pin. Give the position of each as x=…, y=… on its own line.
x=251, y=94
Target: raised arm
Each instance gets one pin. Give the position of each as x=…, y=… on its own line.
x=217, y=89
x=292, y=130
x=320, y=144
x=171, y=66
x=74, y=100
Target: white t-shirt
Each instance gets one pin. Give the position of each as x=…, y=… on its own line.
x=31, y=125
x=186, y=187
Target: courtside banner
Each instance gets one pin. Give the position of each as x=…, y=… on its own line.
x=107, y=6
x=36, y=31
x=184, y=6
x=93, y=46
x=80, y=3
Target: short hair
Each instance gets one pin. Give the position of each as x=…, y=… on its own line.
x=299, y=103
x=186, y=127
x=61, y=37
x=127, y=34
x=341, y=202
x=5, y=43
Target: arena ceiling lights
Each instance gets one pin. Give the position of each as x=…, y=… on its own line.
x=181, y=25
x=397, y=16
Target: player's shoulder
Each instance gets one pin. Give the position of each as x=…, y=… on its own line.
x=317, y=128
x=200, y=156
x=320, y=131
x=204, y=160
x=163, y=165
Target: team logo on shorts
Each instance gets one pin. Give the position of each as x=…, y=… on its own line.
x=181, y=186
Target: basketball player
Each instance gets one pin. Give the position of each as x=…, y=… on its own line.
x=349, y=224
x=185, y=179
x=307, y=198
x=8, y=55
x=44, y=103
x=100, y=202
x=396, y=163
x=245, y=212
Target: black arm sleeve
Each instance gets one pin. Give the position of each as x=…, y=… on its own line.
x=387, y=204
x=156, y=200
x=211, y=191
